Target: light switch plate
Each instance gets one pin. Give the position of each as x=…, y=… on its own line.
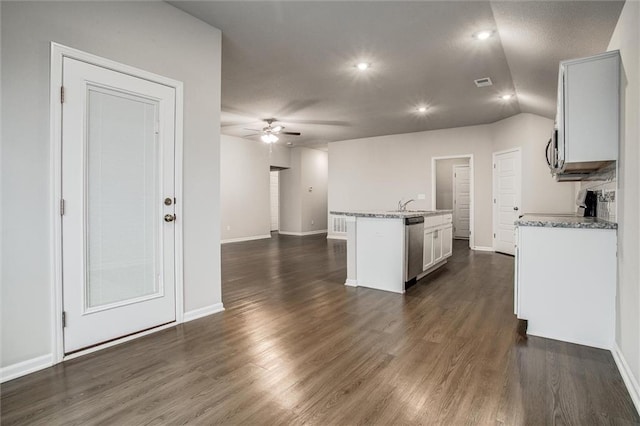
x=421, y=196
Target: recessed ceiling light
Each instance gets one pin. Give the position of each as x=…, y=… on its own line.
x=483, y=35
x=422, y=109
x=362, y=66
x=506, y=97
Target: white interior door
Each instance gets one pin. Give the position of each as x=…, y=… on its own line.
x=275, y=200
x=506, y=199
x=461, y=201
x=118, y=139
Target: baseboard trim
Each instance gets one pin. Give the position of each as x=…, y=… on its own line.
x=482, y=248
x=627, y=376
x=238, y=240
x=23, y=368
x=351, y=283
x=302, y=234
x=336, y=237
x=203, y=312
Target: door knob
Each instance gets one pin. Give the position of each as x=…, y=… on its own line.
x=516, y=209
x=169, y=217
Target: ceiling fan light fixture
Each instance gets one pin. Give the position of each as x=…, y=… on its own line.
x=269, y=138
x=422, y=109
x=363, y=66
x=483, y=35
x=506, y=97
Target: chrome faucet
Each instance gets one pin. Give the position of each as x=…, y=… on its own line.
x=403, y=206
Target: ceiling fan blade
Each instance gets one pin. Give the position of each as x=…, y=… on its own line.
x=319, y=122
x=251, y=135
x=254, y=130
x=291, y=133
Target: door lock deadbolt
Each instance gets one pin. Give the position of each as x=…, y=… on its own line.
x=168, y=201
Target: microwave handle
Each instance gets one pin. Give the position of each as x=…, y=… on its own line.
x=546, y=152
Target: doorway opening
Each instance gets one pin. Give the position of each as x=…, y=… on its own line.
x=274, y=189
x=452, y=189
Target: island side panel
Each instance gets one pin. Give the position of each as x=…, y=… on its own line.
x=380, y=253
x=352, y=272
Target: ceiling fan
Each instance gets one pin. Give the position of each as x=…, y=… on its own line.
x=269, y=133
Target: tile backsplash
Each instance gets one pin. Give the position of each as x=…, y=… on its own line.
x=604, y=183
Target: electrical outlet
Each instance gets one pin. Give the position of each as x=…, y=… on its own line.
x=228, y=228
x=313, y=222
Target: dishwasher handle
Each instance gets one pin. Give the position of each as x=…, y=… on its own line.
x=413, y=220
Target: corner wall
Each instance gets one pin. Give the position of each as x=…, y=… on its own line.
x=245, y=187
x=153, y=36
x=303, y=193
x=540, y=191
x=626, y=38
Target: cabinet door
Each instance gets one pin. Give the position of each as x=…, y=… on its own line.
x=437, y=246
x=447, y=241
x=428, y=250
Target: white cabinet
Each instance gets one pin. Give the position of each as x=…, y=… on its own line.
x=447, y=241
x=438, y=240
x=428, y=250
x=565, y=282
x=588, y=112
x=437, y=246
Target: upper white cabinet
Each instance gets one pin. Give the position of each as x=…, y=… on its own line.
x=588, y=113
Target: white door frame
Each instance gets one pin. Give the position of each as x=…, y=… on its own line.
x=58, y=52
x=472, y=243
x=494, y=211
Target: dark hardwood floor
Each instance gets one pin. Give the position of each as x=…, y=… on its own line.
x=296, y=346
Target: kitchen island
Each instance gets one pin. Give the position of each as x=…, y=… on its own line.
x=387, y=249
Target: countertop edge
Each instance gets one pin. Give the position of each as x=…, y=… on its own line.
x=392, y=215
x=600, y=224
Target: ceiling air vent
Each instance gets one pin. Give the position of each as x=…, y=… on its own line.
x=483, y=82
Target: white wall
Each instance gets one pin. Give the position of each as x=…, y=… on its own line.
x=299, y=207
x=245, y=186
x=626, y=38
x=374, y=173
x=444, y=182
x=315, y=171
x=153, y=36
x=540, y=191
x=244, y=189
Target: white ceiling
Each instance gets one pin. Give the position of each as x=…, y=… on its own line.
x=295, y=61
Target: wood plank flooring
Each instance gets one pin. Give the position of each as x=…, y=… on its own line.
x=295, y=346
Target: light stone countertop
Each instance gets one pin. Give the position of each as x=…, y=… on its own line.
x=565, y=221
x=392, y=214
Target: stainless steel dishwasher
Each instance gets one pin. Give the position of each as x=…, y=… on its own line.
x=414, y=246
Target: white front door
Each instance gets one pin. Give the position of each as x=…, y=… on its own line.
x=118, y=139
x=506, y=199
x=461, y=201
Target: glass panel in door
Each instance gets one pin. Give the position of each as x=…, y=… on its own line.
x=123, y=259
